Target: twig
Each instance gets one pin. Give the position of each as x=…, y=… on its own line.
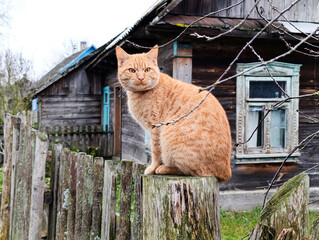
x=211, y=87
x=275, y=106
x=268, y=70
x=1, y=148
x=190, y=25
x=286, y=19
x=308, y=117
x=298, y=51
x=228, y=31
x=283, y=30
x=311, y=136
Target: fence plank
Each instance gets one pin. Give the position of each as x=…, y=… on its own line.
x=108, y=231
x=88, y=197
x=15, y=159
x=178, y=208
x=125, y=200
x=138, y=170
x=22, y=183
x=55, y=165
x=82, y=137
x=63, y=195
x=38, y=184
x=98, y=174
x=80, y=194
x=6, y=187
x=74, y=156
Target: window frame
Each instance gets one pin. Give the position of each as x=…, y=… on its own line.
x=281, y=72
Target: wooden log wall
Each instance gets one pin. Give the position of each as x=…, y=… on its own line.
x=300, y=12
x=209, y=63
x=73, y=100
x=91, y=139
x=132, y=134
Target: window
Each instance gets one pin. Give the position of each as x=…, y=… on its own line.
x=106, y=108
x=270, y=137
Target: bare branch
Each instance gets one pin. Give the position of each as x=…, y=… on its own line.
x=268, y=70
x=190, y=25
x=1, y=147
x=303, y=143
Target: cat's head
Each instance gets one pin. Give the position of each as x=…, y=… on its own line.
x=138, y=72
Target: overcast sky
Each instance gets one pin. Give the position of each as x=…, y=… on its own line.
x=42, y=29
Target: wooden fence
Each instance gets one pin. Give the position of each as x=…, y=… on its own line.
x=91, y=139
x=1, y=142
x=93, y=198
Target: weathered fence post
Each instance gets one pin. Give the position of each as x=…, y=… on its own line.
x=125, y=200
x=7, y=170
x=180, y=208
x=38, y=185
x=55, y=165
x=98, y=175
x=108, y=231
x=138, y=170
x=288, y=208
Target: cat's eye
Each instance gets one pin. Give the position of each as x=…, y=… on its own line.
x=147, y=69
x=132, y=70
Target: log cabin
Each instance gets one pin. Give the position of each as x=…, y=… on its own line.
x=200, y=42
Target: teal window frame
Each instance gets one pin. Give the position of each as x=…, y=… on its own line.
x=106, y=108
x=265, y=145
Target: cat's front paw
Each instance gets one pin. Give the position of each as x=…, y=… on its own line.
x=150, y=170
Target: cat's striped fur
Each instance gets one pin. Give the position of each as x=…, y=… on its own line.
x=199, y=144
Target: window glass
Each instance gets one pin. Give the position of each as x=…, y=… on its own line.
x=266, y=89
x=254, y=117
x=278, y=123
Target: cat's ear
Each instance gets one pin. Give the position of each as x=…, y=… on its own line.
x=152, y=54
x=121, y=55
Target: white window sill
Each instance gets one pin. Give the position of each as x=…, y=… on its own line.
x=265, y=158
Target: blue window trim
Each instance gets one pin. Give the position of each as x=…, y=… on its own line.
x=35, y=104
x=106, y=108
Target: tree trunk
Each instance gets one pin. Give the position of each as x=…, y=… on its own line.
x=288, y=208
x=180, y=208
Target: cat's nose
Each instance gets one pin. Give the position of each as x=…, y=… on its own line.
x=141, y=78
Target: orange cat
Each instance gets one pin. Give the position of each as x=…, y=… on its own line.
x=198, y=145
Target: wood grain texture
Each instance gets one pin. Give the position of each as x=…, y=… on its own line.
x=55, y=165
x=108, y=229
x=125, y=200
x=178, y=208
x=98, y=175
x=38, y=185
x=137, y=228
x=287, y=208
